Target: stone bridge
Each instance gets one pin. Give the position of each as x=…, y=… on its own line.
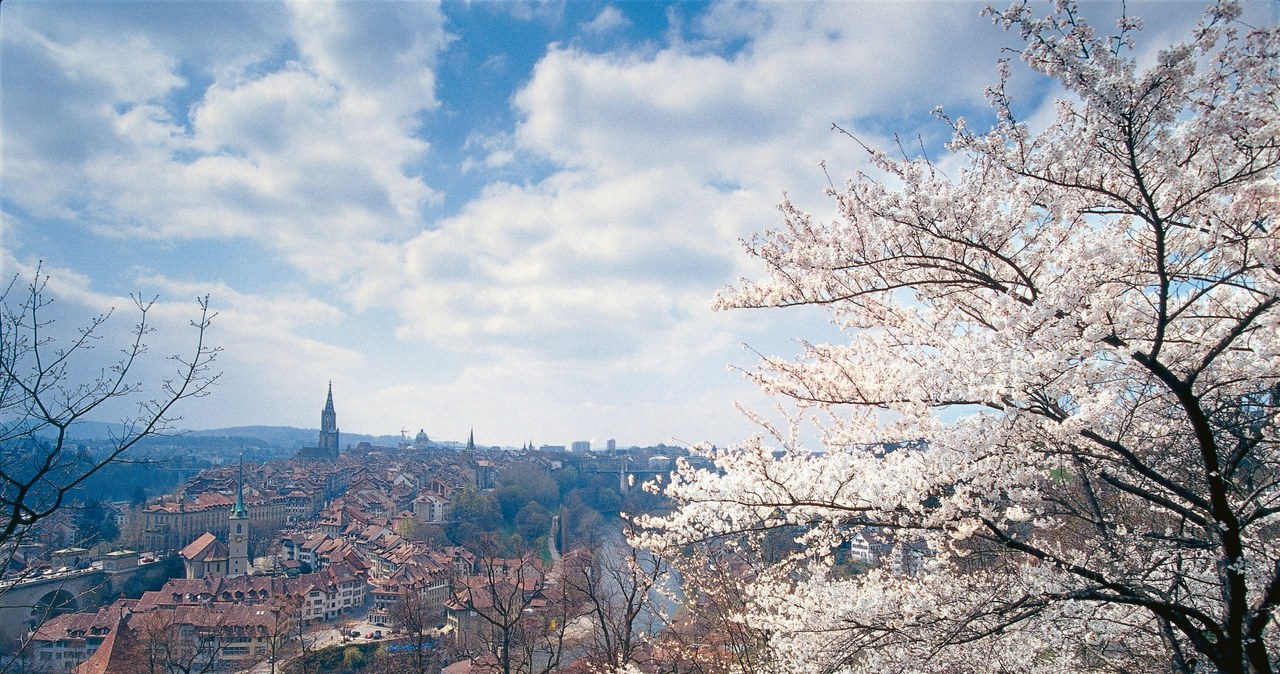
x=27, y=602
x=630, y=473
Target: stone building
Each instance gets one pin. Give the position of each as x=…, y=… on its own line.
x=327, y=449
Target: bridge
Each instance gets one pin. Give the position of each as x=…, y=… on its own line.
x=29, y=601
x=630, y=473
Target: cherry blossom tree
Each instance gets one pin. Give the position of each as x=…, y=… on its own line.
x=1053, y=429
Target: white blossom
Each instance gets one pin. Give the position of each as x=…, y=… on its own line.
x=1099, y=300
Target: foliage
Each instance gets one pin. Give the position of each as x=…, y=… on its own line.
x=408, y=528
x=338, y=659
x=533, y=521
x=473, y=507
x=582, y=524
x=353, y=659
x=1056, y=416
x=520, y=484
x=528, y=496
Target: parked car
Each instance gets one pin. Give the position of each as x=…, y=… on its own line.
x=355, y=633
x=377, y=634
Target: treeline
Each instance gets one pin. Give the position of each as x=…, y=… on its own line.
x=532, y=503
x=129, y=482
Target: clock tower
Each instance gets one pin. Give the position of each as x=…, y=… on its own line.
x=238, y=532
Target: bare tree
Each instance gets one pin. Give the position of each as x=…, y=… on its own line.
x=416, y=618
x=281, y=630
x=299, y=629
x=40, y=399
x=516, y=619
x=171, y=645
x=618, y=585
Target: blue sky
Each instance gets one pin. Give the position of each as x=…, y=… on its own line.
x=507, y=216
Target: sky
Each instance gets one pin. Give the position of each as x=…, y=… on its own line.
x=506, y=217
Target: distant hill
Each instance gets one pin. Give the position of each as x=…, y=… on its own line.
x=288, y=436
x=270, y=436
x=276, y=436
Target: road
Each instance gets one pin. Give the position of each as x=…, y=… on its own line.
x=322, y=639
x=551, y=545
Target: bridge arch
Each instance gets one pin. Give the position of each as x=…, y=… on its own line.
x=54, y=603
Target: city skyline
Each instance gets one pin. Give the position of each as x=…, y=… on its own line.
x=511, y=217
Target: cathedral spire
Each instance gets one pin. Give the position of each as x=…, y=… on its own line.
x=471, y=441
x=329, y=428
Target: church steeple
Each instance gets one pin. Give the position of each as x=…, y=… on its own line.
x=238, y=545
x=329, y=428
x=471, y=441
x=237, y=511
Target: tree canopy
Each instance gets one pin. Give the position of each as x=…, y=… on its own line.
x=1055, y=417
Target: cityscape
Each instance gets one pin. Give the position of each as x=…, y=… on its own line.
x=662, y=337
x=247, y=566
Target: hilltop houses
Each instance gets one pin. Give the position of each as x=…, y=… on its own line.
x=271, y=550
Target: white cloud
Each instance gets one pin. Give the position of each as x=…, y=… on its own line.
x=385, y=57
x=607, y=21
x=267, y=151
x=666, y=159
x=601, y=274
x=802, y=67
x=547, y=11
x=574, y=291
x=129, y=65
x=278, y=348
x=528, y=264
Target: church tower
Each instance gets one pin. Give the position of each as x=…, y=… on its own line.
x=329, y=428
x=238, y=543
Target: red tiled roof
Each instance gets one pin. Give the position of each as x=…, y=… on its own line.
x=206, y=547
